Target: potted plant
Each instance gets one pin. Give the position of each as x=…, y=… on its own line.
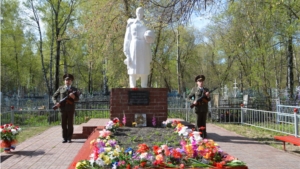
x=9, y=134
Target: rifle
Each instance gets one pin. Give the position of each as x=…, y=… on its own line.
x=65, y=100
x=203, y=98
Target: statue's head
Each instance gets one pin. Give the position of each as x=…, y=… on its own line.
x=140, y=13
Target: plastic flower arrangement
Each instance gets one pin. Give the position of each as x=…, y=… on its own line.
x=112, y=125
x=9, y=134
x=170, y=124
x=124, y=119
x=106, y=152
x=194, y=152
x=154, y=121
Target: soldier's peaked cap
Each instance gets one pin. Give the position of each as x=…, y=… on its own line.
x=68, y=76
x=200, y=78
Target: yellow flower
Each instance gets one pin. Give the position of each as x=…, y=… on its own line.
x=101, y=155
x=207, y=155
x=107, y=149
x=211, y=142
x=116, y=153
x=106, y=160
x=133, y=124
x=189, y=150
x=78, y=164
x=200, y=148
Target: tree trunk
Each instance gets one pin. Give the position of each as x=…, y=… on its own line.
x=290, y=74
x=57, y=64
x=178, y=64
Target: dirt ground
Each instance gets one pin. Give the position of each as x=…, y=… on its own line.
x=133, y=136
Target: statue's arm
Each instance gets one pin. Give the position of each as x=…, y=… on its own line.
x=127, y=39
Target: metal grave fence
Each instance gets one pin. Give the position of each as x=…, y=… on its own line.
x=268, y=120
x=288, y=122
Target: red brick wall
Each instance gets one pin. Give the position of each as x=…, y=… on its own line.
x=158, y=105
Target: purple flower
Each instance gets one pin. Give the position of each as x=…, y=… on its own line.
x=101, y=150
x=124, y=119
x=154, y=121
x=194, y=145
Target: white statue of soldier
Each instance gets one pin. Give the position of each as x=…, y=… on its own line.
x=137, y=49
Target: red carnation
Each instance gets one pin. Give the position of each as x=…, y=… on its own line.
x=116, y=120
x=142, y=148
x=155, y=149
x=143, y=163
x=176, y=154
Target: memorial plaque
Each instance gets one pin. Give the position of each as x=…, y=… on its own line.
x=138, y=97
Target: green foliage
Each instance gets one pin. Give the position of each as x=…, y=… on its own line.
x=244, y=41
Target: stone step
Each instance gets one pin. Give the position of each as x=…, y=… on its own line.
x=84, y=130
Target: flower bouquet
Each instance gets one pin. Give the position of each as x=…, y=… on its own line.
x=193, y=152
x=170, y=123
x=9, y=134
x=112, y=125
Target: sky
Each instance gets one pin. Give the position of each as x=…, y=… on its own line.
x=199, y=22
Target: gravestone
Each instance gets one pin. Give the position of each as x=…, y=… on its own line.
x=235, y=88
x=245, y=100
x=225, y=92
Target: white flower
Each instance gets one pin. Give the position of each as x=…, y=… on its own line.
x=112, y=155
x=109, y=125
x=92, y=160
x=14, y=131
x=114, y=166
x=1, y=130
x=196, y=136
x=143, y=155
x=100, y=162
x=19, y=129
x=184, y=131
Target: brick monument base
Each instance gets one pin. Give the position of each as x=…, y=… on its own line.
x=157, y=105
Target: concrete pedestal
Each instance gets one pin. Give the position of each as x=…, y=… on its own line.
x=158, y=105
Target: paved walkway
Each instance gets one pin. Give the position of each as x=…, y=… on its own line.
x=42, y=151
x=255, y=154
x=47, y=151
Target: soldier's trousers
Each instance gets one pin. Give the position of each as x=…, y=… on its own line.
x=201, y=122
x=67, y=118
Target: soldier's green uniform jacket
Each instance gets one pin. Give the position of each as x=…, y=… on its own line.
x=62, y=92
x=196, y=93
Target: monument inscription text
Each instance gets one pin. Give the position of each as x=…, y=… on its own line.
x=138, y=97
